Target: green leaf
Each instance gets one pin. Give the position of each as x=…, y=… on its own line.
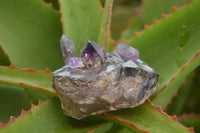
x=35, y=96
x=48, y=118
x=191, y=120
x=53, y=3
x=192, y=100
x=123, y=11
x=104, y=34
x=29, y=33
x=12, y=101
x=144, y=118
x=177, y=103
x=161, y=45
x=81, y=20
x=168, y=91
x=4, y=59
x=104, y=128
x=125, y=130
x=28, y=78
x=148, y=13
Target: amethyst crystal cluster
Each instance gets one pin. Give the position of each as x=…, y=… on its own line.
x=99, y=81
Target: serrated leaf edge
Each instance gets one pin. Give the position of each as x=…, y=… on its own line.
x=141, y=130
x=22, y=84
x=154, y=21
x=174, y=117
x=12, y=118
x=184, y=67
x=125, y=122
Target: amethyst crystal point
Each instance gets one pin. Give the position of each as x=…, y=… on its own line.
x=75, y=62
x=127, y=51
x=117, y=83
x=93, y=54
x=68, y=48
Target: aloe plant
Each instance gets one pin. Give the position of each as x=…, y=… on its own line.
x=165, y=32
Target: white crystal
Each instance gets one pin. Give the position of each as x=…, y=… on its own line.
x=68, y=48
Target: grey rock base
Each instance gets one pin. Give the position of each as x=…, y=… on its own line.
x=116, y=84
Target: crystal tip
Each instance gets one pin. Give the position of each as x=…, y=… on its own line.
x=127, y=51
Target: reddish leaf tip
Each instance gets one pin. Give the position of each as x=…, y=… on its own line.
x=174, y=9
x=155, y=21
x=125, y=41
x=136, y=33
x=11, y=66
x=31, y=69
x=61, y=20
x=47, y=70
x=163, y=16
x=59, y=2
x=21, y=83
x=146, y=26
x=113, y=41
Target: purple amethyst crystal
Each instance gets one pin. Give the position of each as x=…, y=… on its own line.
x=127, y=51
x=93, y=54
x=68, y=48
x=75, y=62
x=120, y=80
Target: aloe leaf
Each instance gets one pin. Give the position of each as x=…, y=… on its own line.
x=104, y=128
x=81, y=20
x=40, y=81
x=175, y=39
x=144, y=118
x=12, y=101
x=125, y=130
x=191, y=120
x=116, y=128
x=148, y=12
x=47, y=117
x=122, y=12
x=4, y=59
x=169, y=90
x=35, y=96
x=30, y=33
x=104, y=34
x=192, y=101
x=177, y=103
x=53, y=3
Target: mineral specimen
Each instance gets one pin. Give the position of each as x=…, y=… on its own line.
x=107, y=81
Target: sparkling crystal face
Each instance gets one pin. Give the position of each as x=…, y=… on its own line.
x=75, y=62
x=127, y=51
x=117, y=82
x=93, y=54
